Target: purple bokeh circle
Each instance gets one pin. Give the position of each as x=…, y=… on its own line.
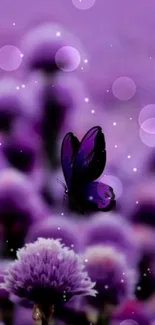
x=67, y=58
x=148, y=126
x=147, y=138
x=83, y=4
x=124, y=88
x=129, y=322
x=146, y=113
x=10, y=58
x=115, y=183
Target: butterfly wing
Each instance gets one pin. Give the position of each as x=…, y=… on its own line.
x=90, y=160
x=69, y=148
x=98, y=196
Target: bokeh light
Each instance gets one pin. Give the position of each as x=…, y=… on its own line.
x=129, y=322
x=83, y=4
x=10, y=58
x=146, y=137
x=71, y=58
x=115, y=183
x=124, y=88
x=146, y=113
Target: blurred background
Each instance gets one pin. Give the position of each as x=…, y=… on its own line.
x=68, y=65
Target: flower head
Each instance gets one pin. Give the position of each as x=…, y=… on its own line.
x=20, y=205
x=146, y=282
x=113, y=230
x=56, y=228
x=4, y=265
x=10, y=103
x=22, y=146
x=108, y=268
x=47, y=271
x=40, y=46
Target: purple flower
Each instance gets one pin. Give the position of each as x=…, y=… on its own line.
x=20, y=205
x=114, y=279
x=21, y=148
x=56, y=228
x=46, y=272
x=146, y=282
x=4, y=265
x=40, y=46
x=115, y=231
x=132, y=313
x=10, y=103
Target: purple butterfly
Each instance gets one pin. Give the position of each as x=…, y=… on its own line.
x=82, y=163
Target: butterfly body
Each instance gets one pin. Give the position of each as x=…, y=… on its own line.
x=82, y=163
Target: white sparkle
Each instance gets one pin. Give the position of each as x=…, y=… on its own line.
x=150, y=57
x=106, y=287
x=85, y=61
x=129, y=156
x=17, y=87
x=0, y=144
x=35, y=82
x=58, y=34
x=130, y=118
x=107, y=90
x=81, y=68
x=123, y=273
x=148, y=269
x=21, y=150
x=122, y=281
x=72, y=246
x=144, y=274
x=116, y=146
x=11, y=250
x=92, y=111
x=86, y=99
x=13, y=24
x=58, y=228
x=62, y=214
x=138, y=288
x=135, y=169
x=21, y=55
x=90, y=198
x=111, y=45
x=137, y=202
x=23, y=86
x=86, y=260
x=114, y=123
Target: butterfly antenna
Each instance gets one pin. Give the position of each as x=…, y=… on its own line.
x=60, y=182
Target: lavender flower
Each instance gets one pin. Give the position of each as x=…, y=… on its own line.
x=114, y=279
x=56, y=228
x=4, y=265
x=144, y=211
x=132, y=313
x=10, y=103
x=40, y=46
x=21, y=148
x=146, y=282
x=48, y=273
x=112, y=230
x=20, y=205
